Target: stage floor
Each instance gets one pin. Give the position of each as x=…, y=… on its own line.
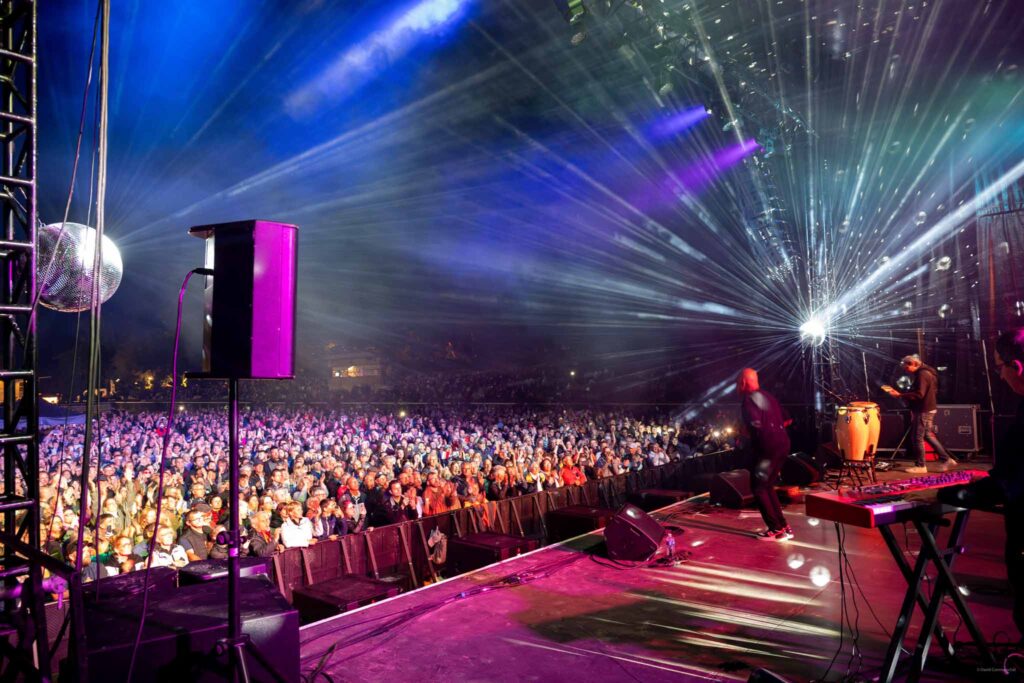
x=734, y=605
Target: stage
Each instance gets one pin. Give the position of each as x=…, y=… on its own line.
x=734, y=604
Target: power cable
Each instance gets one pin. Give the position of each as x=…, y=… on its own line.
x=169, y=430
x=103, y=17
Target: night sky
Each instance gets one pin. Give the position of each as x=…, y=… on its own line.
x=691, y=181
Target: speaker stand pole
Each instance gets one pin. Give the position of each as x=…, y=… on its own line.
x=236, y=641
x=237, y=644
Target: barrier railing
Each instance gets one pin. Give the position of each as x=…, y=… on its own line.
x=401, y=550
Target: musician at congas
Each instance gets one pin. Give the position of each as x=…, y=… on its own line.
x=764, y=422
x=923, y=404
x=1005, y=483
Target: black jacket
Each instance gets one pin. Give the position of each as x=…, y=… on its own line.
x=765, y=422
x=397, y=512
x=261, y=547
x=923, y=396
x=1009, y=468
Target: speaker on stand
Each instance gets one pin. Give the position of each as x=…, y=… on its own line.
x=248, y=333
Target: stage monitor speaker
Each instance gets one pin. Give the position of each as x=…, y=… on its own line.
x=473, y=551
x=214, y=570
x=957, y=427
x=182, y=632
x=576, y=520
x=163, y=581
x=828, y=457
x=632, y=534
x=732, y=489
x=249, y=322
x=800, y=469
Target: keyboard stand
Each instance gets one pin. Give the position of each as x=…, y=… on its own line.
x=927, y=521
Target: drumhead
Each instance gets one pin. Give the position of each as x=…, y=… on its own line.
x=864, y=405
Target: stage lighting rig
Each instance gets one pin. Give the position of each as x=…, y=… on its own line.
x=573, y=12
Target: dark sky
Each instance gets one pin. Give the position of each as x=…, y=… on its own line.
x=459, y=170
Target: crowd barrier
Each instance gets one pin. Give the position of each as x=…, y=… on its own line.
x=400, y=552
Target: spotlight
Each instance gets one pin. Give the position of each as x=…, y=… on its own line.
x=813, y=332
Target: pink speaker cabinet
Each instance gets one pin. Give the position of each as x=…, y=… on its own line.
x=249, y=323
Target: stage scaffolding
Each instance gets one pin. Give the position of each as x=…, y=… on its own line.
x=25, y=646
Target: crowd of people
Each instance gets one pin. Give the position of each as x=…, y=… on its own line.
x=312, y=473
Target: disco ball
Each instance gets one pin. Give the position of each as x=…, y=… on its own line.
x=904, y=383
x=944, y=263
x=65, y=267
x=945, y=310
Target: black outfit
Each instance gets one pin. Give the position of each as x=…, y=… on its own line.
x=329, y=525
x=196, y=542
x=260, y=546
x=375, y=507
x=1003, y=486
x=351, y=526
x=333, y=485
x=461, y=485
x=923, y=404
x=765, y=422
x=500, y=491
x=393, y=512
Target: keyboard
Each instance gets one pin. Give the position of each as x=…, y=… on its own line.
x=884, y=503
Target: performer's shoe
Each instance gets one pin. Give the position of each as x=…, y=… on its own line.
x=789, y=533
x=772, y=535
x=946, y=464
x=916, y=469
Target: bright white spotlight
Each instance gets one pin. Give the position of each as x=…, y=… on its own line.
x=813, y=332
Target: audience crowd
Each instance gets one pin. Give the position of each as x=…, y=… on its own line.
x=313, y=473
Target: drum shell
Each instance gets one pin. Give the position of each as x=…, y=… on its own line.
x=857, y=429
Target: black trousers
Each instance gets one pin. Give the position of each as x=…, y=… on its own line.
x=763, y=477
x=986, y=493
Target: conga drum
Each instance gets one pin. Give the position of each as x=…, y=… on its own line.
x=857, y=428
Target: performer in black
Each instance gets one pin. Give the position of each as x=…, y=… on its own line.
x=1004, y=484
x=764, y=422
x=923, y=404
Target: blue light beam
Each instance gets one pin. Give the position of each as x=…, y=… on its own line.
x=362, y=62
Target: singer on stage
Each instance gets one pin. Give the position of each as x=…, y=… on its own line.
x=764, y=422
x=923, y=404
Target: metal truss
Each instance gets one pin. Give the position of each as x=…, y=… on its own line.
x=27, y=573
